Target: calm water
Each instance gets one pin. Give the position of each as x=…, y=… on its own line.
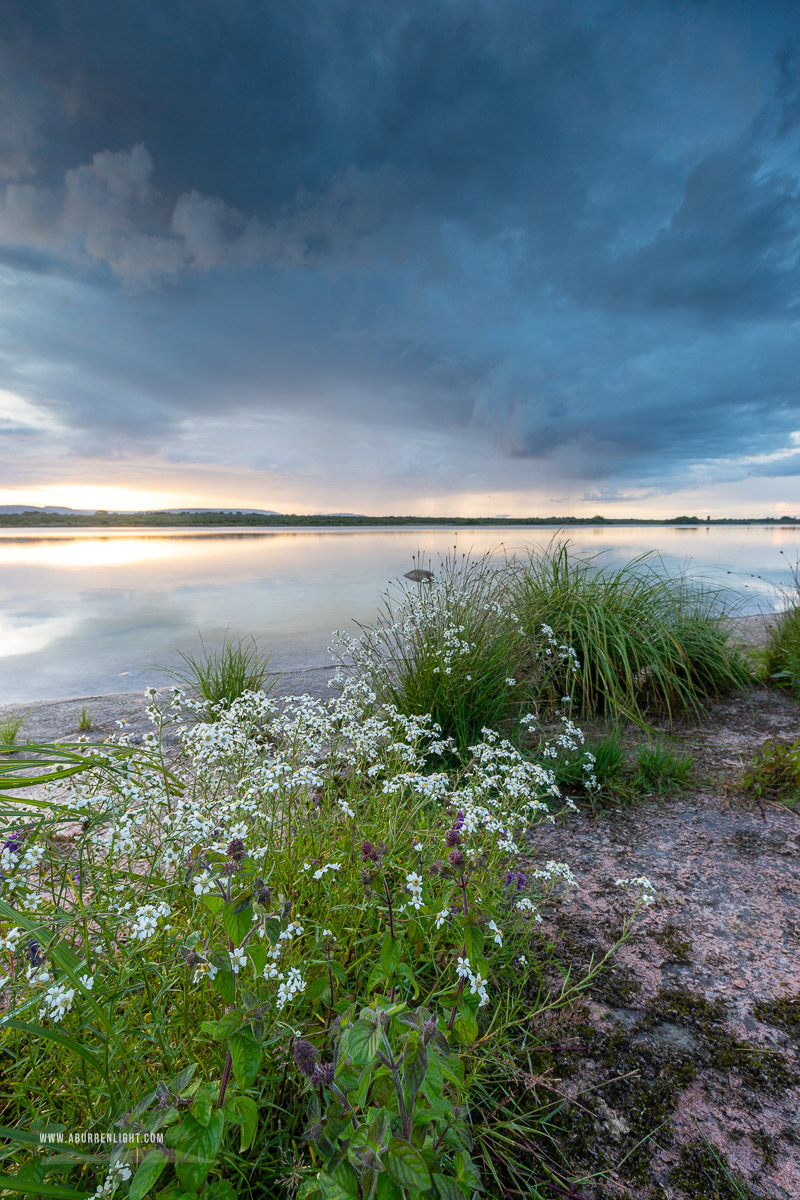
x=84, y=612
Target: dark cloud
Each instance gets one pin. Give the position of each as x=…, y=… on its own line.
x=567, y=237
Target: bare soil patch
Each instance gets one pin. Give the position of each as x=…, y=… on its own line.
x=686, y=1084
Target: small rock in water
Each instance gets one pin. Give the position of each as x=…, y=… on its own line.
x=418, y=575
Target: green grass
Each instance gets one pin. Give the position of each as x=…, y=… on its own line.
x=648, y=641
x=781, y=657
x=220, y=675
x=10, y=727
x=483, y=642
x=661, y=769
x=603, y=775
x=449, y=647
x=609, y=769
x=85, y=721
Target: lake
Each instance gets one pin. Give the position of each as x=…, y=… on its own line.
x=84, y=612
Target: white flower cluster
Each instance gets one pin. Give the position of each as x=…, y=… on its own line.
x=647, y=892
x=565, y=653
x=293, y=930
x=118, y=1173
x=146, y=919
x=477, y=984
x=323, y=870
x=56, y=1002
x=526, y=905
x=289, y=985
x=414, y=888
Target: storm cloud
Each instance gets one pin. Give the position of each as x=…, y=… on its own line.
x=478, y=247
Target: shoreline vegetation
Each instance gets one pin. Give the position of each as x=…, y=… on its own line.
x=302, y=947
x=225, y=517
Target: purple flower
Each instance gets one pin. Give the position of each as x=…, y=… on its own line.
x=459, y=820
x=515, y=877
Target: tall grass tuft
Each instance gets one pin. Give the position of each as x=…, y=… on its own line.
x=221, y=675
x=10, y=727
x=661, y=769
x=448, y=646
x=648, y=641
x=782, y=653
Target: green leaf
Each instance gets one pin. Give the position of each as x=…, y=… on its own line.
x=362, y=1091
x=406, y=1165
x=390, y=954
x=415, y=1065
x=465, y=1027
x=447, y=1188
x=222, y=1029
x=433, y=1084
x=246, y=1056
x=273, y=928
x=213, y=902
x=363, y=1040
x=405, y=972
x=197, y=1148
x=258, y=956
x=237, y=917
x=202, y=1108
x=149, y=1170
x=473, y=940
x=379, y=1127
x=224, y=980
x=339, y=971
x=243, y=1110
x=319, y=988
x=182, y=1079
x=220, y=1189
x=377, y=977
x=386, y=1190
x=341, y=1184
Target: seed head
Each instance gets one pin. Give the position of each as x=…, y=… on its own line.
x=323, y=1075
x=453, y=837
x=305, y=1057
x=368, y=852
x=236, y=850
x=456, y=858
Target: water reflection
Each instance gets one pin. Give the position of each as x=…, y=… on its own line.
x=83, y=611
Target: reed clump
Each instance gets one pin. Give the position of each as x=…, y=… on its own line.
x=482, y=641
x=648, y=642
x=782, y=652
x=450, y=647
x=221, y=674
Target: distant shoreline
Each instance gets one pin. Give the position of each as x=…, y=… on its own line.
x=257, y=521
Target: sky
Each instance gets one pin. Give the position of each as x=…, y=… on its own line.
x=437, y=257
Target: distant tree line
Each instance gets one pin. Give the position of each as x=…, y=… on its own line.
x=216, y=517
